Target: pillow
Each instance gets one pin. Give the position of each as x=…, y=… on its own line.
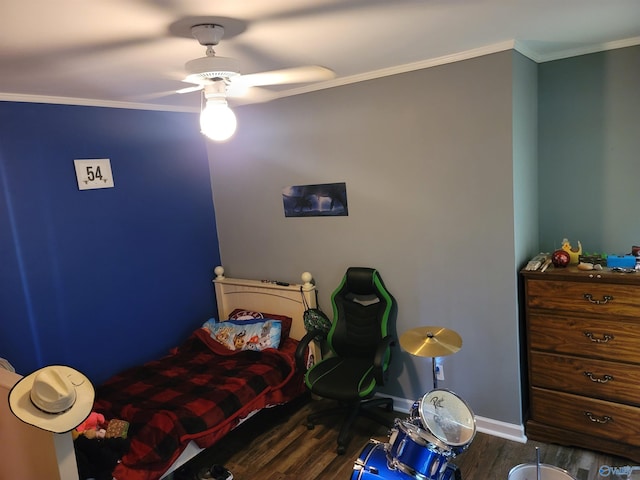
x=237, y=335
x=239, y=314
x=242, y=314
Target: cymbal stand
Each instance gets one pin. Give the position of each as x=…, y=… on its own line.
x=435, y=373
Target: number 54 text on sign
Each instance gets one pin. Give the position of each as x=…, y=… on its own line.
x=94, y=173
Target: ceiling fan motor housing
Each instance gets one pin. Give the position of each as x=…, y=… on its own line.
x=208, y=68
x=208, y=34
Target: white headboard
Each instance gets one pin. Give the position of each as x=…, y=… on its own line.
x=232, y=293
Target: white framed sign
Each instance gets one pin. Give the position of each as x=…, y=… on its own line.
x=94, y=173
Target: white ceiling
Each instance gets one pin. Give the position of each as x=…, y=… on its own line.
x=105, y=52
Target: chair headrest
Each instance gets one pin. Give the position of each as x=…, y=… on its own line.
x=360, y=281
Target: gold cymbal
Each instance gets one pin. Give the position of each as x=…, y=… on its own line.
x=431, y=341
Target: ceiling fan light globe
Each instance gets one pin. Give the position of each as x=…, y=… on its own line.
x=217, y=121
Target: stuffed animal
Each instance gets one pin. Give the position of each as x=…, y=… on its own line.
x=93, y=427
x=94, y=433
x=95, y=421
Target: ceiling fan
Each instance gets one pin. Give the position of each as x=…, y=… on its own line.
x=210, y=69
x=220, y=78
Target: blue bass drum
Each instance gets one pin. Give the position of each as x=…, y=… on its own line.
x=374, y=463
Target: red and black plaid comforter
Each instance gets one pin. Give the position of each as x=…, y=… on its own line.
x=198, y=392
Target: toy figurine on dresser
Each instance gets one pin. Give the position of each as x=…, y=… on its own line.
x=574, y=253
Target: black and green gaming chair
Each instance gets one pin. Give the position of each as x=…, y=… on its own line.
x=359, y=346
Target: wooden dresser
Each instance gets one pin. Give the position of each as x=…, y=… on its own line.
x=583, y=350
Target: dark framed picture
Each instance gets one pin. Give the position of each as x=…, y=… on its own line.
x=322, y=200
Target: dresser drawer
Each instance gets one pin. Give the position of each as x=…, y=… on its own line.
x=612, y=340
x=584, y=297
x=618, y=382
x=599, y=418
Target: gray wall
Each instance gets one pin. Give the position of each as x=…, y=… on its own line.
x=589, y=151
x=428, y=159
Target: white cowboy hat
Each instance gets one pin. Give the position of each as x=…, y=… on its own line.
x=56, y=398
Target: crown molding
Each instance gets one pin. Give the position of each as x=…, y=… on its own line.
x=574, y=52
x=516, y=45
x=408, y=67
x=90, y=102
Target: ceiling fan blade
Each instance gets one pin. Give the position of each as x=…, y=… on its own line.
x=190, y=89
x=245, y=95
x=151, y=96
x=310, y=73
x=166, y=93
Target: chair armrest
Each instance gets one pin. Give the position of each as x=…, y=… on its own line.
x=302, y=348
x=378, y=361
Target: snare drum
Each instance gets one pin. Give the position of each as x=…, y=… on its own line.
x=411, y=453
x=373, y=464
x=448, y=418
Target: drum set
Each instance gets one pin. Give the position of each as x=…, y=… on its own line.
x=439, y=427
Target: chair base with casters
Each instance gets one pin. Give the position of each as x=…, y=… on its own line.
x=352, y=410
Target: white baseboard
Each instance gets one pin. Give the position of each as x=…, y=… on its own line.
x=496, y=428
x=508, y=431
x=399, y=404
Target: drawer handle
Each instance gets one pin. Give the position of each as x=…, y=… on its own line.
x=596, y=419
x=605, y=299
x=605, y=337
x=593, y=378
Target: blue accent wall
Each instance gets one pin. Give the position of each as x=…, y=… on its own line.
x=102, y=279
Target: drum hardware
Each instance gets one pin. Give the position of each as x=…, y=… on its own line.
x=374, y=464
x=431, y=342
x=413, y=429
x=361, y=464
x=440, y=426
x=410, y=452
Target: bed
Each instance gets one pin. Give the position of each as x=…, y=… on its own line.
x=204, y=388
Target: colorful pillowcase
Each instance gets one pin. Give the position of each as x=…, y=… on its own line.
x=243, y=314
x=237, y=335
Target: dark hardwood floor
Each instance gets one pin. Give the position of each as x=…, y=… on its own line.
x=276, y=445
